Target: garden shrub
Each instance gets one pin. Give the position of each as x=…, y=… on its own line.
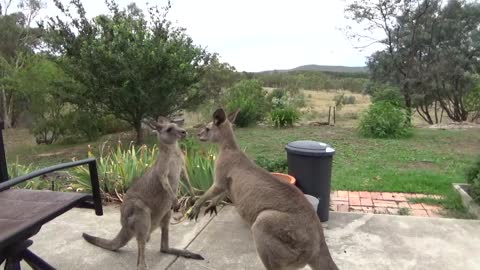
x=118, y=166
x=250, y=98
x=386, y=93
x=284, y=107
x=287, y=96
x=385, y=120
x=341, y=100
x=472, y=176
x=278, y=164
x=472, y=102
x=349, y=100
x=285, y=116
x=110, y=125
x=82, y=125
x=47, y=131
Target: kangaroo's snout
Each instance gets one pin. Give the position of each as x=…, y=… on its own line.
x=183, y=133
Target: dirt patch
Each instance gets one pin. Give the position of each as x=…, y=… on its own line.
x=460, y=125
x=420, y=165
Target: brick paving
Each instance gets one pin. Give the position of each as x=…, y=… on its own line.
x=383, y=203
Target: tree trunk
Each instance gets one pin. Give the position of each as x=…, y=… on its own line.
x=6, y=116
x=139, y=132
x=425, y=114
x=408, y=105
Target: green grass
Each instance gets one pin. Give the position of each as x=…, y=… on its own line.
x=404, y=211
x=428, y=162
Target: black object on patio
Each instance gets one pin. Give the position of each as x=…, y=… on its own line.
x=23, y=212
x=310, y=162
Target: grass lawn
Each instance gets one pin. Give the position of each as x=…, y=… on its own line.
x=426, y=163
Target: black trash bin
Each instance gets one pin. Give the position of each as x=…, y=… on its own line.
x=310, y=162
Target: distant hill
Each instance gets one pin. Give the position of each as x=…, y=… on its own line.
x=340, y=69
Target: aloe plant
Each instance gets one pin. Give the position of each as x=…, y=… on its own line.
x=119, y=166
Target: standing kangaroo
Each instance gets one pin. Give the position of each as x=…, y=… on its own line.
x=147, y=203
x=286, y=230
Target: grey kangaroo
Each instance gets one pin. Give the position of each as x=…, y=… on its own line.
x=286, y=230
x=148, y=202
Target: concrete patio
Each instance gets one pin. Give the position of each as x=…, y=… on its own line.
x=356, y=240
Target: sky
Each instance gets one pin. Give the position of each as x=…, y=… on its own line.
x=257, y=35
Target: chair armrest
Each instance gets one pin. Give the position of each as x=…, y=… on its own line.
x=92, y=166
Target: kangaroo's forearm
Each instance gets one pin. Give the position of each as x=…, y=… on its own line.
x=166, y=186
x=212, y=192
x=220, y=197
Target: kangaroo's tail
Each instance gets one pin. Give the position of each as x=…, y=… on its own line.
x=119, y=241
x=324, y=259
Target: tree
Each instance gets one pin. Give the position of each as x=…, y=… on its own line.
x=17, y=41
x=46, y=90
x=456, y=57
x=218, y=76
x=430, y=51
x=133, y=67
x=399, y=20
x=472, y=101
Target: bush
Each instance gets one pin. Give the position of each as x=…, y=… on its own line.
x=472, y=176
x=284, y=104
x=385, y=120
x=47, y=131
x=117, y=168
x=277, y=93
x=385, y=93
x=16, y=169
x=341, y=100
x=82, y=125
x=273, y=164
x=200, y=168
x=349, y=100
x=472, y=102
x=110, y=125
x=249, y=96
x=286, y=116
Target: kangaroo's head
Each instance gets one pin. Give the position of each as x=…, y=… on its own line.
x=167, y=132
x=220, y=129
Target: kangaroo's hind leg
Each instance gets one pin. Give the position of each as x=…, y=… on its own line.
x=165, y=248
x=140, y=221
x=274, y=246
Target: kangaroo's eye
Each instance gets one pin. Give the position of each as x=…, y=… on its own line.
x=169, y=129
x=207, y=129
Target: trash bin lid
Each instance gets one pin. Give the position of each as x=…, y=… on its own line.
x=310, y=148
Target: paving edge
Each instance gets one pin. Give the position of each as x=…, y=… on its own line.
x=468, y=202
x=194, y=238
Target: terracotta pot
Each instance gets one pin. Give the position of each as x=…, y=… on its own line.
x=285, y=177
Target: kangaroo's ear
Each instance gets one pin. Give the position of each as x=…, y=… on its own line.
x=157, y=125
x=219, y=117
x=162, y=120
x=232, y=116
x=150, y=123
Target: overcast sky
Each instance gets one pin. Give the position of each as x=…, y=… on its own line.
x=256, y=35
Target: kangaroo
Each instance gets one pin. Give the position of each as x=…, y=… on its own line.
x=148, y=201
x=286, y=230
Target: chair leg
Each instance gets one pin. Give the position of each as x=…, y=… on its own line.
x=12, y=263
x=14, y=255
x=36, y=262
